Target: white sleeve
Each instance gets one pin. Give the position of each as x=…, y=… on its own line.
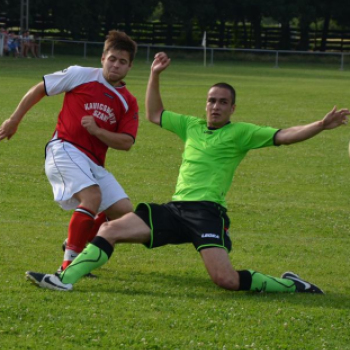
x=64, y=80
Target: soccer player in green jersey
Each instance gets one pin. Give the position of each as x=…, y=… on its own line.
x=197, y=213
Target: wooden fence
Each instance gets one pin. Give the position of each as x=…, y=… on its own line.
x=218, y=36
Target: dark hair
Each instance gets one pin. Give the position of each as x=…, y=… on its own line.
x=229, y=88
x=116, y=40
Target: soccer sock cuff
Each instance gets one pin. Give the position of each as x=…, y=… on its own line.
x=103, y=244
x=245, y=280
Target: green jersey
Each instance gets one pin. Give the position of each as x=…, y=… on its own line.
x=211, y=157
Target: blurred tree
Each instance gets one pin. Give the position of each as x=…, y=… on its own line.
x=40, y=15
x=11, y=9
x=326, y=14
x=182, y=11
x=4, y=7
x=213, y=13
x=341, y=14
x=307, y=11
x=127, y=12
x=209, y=18
x=88, y=19
x=79, y=18
x=283, y=11
x=254, y=12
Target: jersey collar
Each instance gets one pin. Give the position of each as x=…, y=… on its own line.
x=212, y=128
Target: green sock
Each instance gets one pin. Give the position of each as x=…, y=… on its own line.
x=266, y=283
x=89, y=259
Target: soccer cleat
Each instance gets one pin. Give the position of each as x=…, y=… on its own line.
x=301, y=285
x=48, y=281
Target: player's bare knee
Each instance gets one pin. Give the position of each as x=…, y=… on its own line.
x=106, y=231
x=112, y=231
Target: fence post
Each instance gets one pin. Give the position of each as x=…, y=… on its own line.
x=342, y=61
x=276, y=60
x=148, y=53
x=84, y=49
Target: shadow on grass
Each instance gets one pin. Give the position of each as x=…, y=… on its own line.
x=159, y=284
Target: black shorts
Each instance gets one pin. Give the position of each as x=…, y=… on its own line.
x=205, y=224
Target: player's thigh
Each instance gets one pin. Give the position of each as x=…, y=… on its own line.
x=128, y=229
x=118, y=209
x=219, y=267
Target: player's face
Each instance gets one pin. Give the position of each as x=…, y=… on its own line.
x=115, y=65
x=219, y=107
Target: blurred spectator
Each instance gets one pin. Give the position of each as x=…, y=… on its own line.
x=28, y=44
x=3, y=35
x=24, y=44
x=34, y=46
x=13, y=44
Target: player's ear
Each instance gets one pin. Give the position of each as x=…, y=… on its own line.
x=233, y=108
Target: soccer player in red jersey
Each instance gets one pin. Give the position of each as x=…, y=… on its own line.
x=98, y=113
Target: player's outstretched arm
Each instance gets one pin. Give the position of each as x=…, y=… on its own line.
x=332, y=120
x=154, y=104
x=33, y=96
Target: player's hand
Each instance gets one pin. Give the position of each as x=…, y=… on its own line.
x=335, y=118
x=161, y=61
x=88, y=122
x=8, y=129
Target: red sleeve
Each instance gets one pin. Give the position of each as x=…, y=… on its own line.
x=130, y=121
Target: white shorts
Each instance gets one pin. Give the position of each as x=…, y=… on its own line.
x=69, y=171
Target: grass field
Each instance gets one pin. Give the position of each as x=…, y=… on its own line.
x=289, y=208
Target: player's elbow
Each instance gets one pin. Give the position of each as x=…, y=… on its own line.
x=128, y=145
x=153, y=117
x=283, y=137
x=127, y=148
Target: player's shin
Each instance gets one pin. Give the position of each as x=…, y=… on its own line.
x=258, y=282
x=93, y=256
x=80, y=226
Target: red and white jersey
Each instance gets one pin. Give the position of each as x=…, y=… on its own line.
x=88, y=93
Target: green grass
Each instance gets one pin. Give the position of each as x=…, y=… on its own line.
x=289, y=208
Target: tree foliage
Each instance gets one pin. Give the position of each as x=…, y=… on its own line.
x=90, y=19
